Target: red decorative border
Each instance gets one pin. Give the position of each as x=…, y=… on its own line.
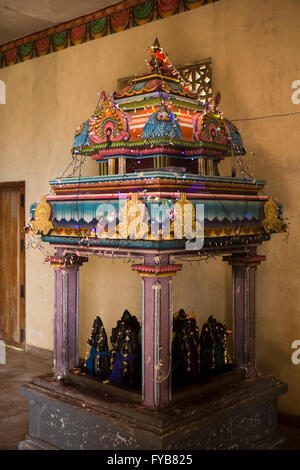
x=244, y=259
x=71, y=24
x=65, y=262
x=142, y=268
x=117, y=18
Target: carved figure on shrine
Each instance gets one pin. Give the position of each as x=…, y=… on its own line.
x=109, y=124
x=82, y=137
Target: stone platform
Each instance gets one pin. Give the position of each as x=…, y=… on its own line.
x=225, y=412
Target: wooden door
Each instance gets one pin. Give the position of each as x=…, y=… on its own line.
x=12, y=263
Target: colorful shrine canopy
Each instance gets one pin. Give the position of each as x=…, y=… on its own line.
x=157, y=115
x=158, y=150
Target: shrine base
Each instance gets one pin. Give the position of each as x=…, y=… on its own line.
x=226, y=412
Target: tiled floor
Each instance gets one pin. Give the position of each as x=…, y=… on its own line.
x=20, y=367
x=292, y=434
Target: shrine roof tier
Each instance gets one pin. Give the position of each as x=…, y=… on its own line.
x=85, y=213
x=153, y=125
x=235, y=215
x=154, y=147
x=154, y=83
x=157, y=115
x=156, y=181
x=138, y=102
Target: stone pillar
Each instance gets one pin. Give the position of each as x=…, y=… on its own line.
x=216, y=170
x=122, y=165
x=157, y=327
x=201, y=166
x=211, y=167
x=111, y=166
x=161, y=161
x=66, y=316
x=103, y=168
x=244, y=267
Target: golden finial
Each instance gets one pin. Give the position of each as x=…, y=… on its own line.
x=156, y=44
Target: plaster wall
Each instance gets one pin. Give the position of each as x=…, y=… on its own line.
x=254, y=49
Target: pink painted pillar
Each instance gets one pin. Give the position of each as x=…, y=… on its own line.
x=244, y=272
x=157, y=327
x=66, y=316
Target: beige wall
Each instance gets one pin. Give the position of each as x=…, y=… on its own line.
x=254, y=48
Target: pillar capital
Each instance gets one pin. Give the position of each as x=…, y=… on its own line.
x=156, y=265
x=246, y=260
x=156, y=271
x=66, y=261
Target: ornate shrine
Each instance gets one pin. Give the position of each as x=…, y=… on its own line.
x=159, y=197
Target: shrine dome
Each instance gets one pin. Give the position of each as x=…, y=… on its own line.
x=235, y=138
x=162, y=123
x=157, y=121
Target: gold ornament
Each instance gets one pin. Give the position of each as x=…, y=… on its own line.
x=191, y=315
x=134, y=220
x=272, y=221
x=184, y=223
x=41, y=223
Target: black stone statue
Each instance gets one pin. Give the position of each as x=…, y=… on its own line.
x=193, y=345
x=98, y=360
x=206, y=347
x=125, y=354
x=213, y=345
x=185, y=350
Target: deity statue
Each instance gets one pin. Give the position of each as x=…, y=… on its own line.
x=206, y=347
x=98, y=360
x=125, y=354
x=213, y=345
x=185, y=350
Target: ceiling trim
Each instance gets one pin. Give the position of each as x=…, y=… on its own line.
x=124, y=15
x=70, y=24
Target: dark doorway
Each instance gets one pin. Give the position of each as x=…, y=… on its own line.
x=12, y=263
